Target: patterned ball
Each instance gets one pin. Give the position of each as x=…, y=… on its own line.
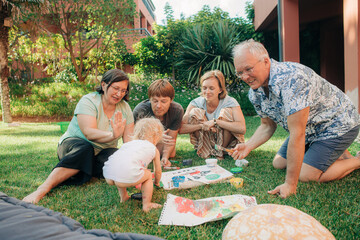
x=272, y=221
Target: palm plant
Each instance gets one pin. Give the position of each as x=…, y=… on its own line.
x=205, y=49
x=225, y=37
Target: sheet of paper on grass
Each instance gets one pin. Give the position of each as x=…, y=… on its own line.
x=186, y=212
x=195, y=176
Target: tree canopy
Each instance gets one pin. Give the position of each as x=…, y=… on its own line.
x=88, y=28
x=184, y=49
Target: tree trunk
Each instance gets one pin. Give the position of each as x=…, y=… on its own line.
x=4, y=69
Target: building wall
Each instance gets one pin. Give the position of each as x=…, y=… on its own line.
x=351, y=49
x=331, y=58
x=339, y=36
x=265, y=13
x=143, y=20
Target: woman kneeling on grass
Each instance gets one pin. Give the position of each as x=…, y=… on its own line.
x=127, y=167
x=100, y=119
x=213, y=118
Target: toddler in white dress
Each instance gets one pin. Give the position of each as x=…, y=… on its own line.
x=127, y=167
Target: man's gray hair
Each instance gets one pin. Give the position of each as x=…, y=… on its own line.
x=254, y=47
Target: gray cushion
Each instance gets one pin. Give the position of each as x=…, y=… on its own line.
x=25, y=221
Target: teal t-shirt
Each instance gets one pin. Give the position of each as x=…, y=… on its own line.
x=91, y=104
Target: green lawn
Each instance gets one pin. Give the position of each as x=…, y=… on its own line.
x=28, y=154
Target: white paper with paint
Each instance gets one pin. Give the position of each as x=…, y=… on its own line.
x=186, y=212
x=195, y=176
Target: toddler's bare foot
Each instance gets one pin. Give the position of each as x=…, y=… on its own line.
x=35, y=197
x=124, y=198
x=149, y=206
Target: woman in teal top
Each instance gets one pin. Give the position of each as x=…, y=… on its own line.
x=100, y=119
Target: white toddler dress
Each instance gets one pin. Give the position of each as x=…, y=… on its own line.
x=126, y=165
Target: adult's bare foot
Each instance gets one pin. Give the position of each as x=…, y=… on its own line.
x=35, y=197
x=149, y=206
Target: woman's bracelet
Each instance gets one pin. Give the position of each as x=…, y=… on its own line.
x=215, y=123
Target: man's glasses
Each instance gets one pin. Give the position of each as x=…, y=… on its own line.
x=247, y=71
x=118, y=90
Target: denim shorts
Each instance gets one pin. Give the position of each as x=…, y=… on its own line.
x=321, y=154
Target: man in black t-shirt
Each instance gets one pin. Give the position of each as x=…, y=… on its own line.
x=161, y=106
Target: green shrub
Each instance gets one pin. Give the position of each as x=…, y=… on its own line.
x=246, y=106
x=59, y=99
x=17, y=90
x=56, y=99
x=61, y=106
x=65, y=76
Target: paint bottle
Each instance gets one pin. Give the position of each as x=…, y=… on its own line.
x=237, y=182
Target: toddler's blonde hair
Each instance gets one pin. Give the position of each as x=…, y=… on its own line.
x=148, y=129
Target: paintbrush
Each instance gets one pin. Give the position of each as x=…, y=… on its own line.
x=169, y=168
x=218, y=147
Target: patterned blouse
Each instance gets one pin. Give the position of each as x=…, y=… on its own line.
x=293, y=87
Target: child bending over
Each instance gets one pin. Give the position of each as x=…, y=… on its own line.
x=127, y=167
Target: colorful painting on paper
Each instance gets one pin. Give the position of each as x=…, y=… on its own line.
x=195, y=176
x=182, y=211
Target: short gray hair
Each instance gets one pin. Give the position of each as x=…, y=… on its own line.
x=254, y=47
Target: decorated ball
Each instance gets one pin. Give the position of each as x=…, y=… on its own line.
x=272, y=221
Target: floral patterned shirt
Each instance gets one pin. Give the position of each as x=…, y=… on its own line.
x=293, y=87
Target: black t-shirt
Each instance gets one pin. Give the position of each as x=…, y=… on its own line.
x=172, y=119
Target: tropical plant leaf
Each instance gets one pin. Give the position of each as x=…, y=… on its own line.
x=203, y=50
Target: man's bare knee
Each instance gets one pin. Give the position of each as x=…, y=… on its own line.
x=279, y=162
x=305, y=178
x=308, y=178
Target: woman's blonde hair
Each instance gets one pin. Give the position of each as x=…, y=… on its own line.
x=148, y=129
x=221, y=80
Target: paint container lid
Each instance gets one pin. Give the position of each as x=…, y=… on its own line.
x=236, y=170
x=211, y=162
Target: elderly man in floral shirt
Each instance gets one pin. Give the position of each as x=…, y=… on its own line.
x=320, y=118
